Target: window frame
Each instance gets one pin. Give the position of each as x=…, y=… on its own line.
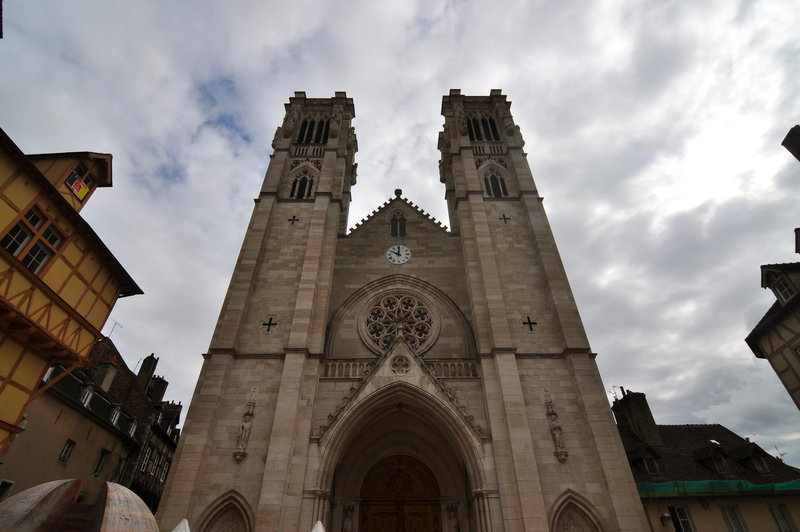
x=145, y=459
x=782, y=517
x=66, y=451
x=98, y=465
x=41, y=241
x=733, y=518
x=682, y=523
x=783, y=289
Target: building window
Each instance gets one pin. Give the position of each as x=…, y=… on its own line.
x=495, y=186
x=680, y=519
x=115, y=416
x=35, y=217
x=132, y=429
x=302, y=185
x=164, y=471
x=66, y=451
x=314, y=132
x=483, y=129
x=650, y=465
x=154, y=465
x=48, y=374
x=19, y=237
x=16, y=239
x=80, y=182
x=86, y=395
x=145, y=459
x=782, y=518
x=759, y=464
x=732, y=519
x=36, y=257
x=720, y=464
x=98, y=466
x=783, y=290
x=398, y=225
x=5, y=488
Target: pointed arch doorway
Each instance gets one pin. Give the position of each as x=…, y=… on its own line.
x=400, y=494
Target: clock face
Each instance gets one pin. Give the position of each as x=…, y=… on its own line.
x=398, y=254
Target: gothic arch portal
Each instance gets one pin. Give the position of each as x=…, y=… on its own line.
x=229, y=512
x=574, y=513
x=402, y=420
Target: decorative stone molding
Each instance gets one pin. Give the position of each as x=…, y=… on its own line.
x=290, y=122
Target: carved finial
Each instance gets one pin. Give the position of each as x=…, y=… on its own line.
x=398, y=192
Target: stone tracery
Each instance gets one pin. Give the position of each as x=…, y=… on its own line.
x=398, y=316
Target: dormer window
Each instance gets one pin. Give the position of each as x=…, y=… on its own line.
x=115, y=416
x=783, y=290
x=80, y=182
x=759, y=464
x=650, y=464
x=86, y=395
x=132, y=429
x=720, y=464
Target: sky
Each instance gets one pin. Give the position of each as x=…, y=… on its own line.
x=653, y=131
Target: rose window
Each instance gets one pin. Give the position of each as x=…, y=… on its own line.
x=399, y=316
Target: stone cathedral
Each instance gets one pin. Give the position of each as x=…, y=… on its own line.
x=401, y=376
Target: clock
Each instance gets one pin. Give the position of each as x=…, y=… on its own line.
x=398, y=254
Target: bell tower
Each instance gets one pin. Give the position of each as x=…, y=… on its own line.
x=301, y=209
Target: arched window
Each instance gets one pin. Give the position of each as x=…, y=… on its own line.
x=302, y=134
x=495, y=186
x=486, y=131
x=492, y=125
x=314, y=132
x=398, y=225
x=477, y=127
x=302, y=185
x=469, y=128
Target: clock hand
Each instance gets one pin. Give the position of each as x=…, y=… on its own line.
x=396, y=252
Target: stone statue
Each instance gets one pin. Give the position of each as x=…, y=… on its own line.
x=290, y=122
x=461, y=120
x=556, y=432
x=336, y=121
x=347, y=524
x=244, y=432
x=240, y=451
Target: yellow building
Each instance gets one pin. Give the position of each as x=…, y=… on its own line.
x=58, y=281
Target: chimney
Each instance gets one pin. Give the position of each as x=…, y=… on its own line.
x=158, y=386
x=146, y=371
x=632, y=411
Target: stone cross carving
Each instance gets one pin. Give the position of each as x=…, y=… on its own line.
x=240, y=451
x=560, y=450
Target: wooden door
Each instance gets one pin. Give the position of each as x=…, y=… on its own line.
x=399, y=494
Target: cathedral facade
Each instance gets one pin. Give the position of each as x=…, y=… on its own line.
x=401, y=376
